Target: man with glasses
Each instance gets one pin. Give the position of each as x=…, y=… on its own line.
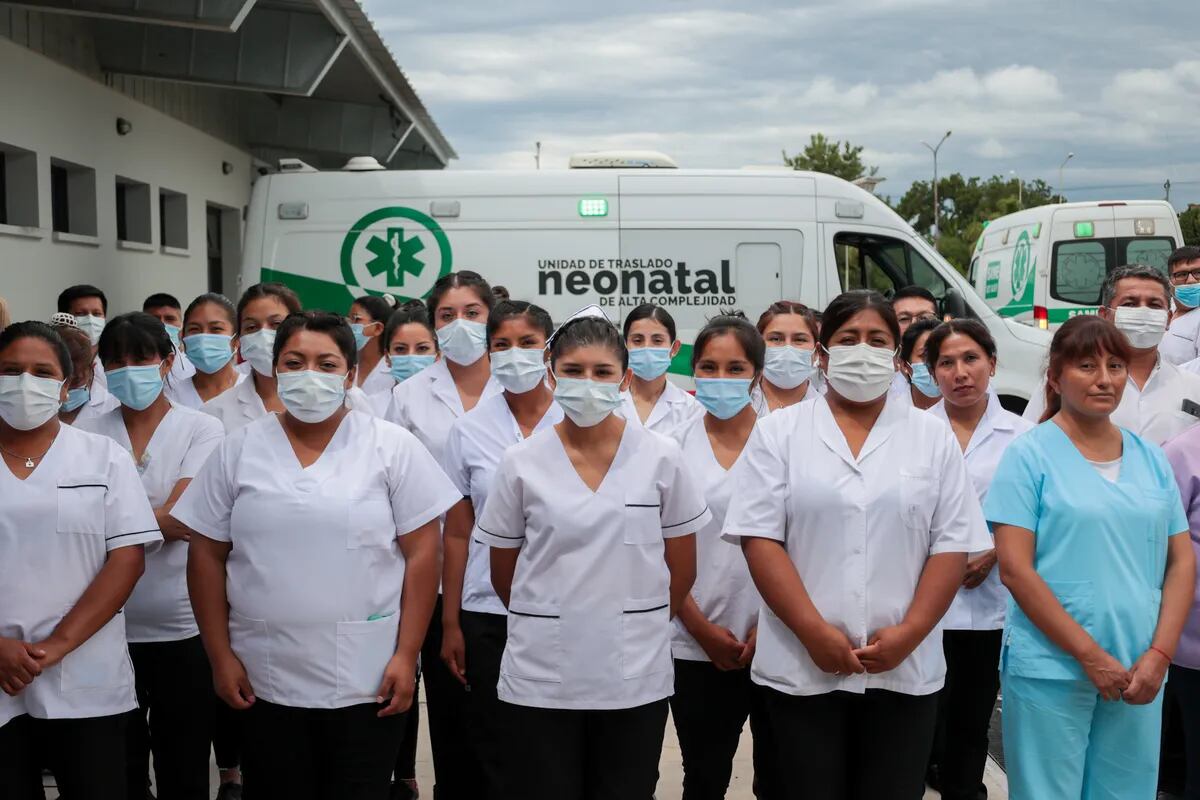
x=913, y=303
x=1182, y=342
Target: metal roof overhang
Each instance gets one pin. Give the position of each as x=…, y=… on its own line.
x=336, y=87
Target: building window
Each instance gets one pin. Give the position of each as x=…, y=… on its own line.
x=133, y=211
x=172, y=219
x=18, y=186
x=72, y=198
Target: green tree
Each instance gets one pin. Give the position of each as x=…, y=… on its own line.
x=831, y=157
x=1189, y=221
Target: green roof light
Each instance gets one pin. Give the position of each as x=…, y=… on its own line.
x=1084, y=230
x=593, y=207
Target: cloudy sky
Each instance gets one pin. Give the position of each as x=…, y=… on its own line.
x=728, y=84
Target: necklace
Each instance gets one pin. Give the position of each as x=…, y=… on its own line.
x=29, y=460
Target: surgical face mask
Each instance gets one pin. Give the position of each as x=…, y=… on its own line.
x=173, y=332
x=210, y=352
x=136, y=387
x=787, y=367
x=312, y=396
x=76, y=398
x=649, y=363
x=360, y=338
x=28, y=401
x=1188, y=294
x=860, y=373
x=259, y=349
x=519, y=370
x=404, y=367
x=587, y=402
x=924, y=382
x=724, y=398
x=463, y=341
x=1143, y=327
x=92, y=326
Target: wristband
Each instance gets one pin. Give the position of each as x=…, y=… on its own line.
x=1161, y=652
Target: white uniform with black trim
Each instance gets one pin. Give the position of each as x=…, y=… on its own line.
x=589, y=621
x=57, y=527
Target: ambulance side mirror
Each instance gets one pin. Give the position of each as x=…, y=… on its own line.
x=954, y=305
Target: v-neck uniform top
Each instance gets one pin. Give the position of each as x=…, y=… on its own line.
x=1100, y=546
x=237, y=407
x=589, y=620
x=474, y=447
x=428, y=403
x=159, y=609
x=982, y=608
x=724, y=590
x=81, y=502
x=674, y=409
x=315, y=573
x=183, y=391
x=858, y=530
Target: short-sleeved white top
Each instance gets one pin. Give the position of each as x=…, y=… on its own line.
x=723, y=590
x=159, y=609
x=1181, y=342
x=428, y=403
x=183, y=391
x=589, y=622
x=315, y=571
x=859, y=531
x=236, y=407
x=56, y=530
x=474, y=447
x=674, y=410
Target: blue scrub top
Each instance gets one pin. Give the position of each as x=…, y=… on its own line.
x=1101, y=546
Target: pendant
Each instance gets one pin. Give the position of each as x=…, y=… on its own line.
x=29, y=463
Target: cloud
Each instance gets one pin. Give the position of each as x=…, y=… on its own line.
x=991, y=148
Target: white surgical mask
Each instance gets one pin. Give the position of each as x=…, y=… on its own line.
x=28, y=401
x=787, y=367
x=259, y=349
x=1143, y=327
x=586, y=402
x=860, y=373
x=312, y=396
x=463, y=341
x=93, y=326
x=519, y=370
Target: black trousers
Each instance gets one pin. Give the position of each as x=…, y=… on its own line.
x=406, y=763
x=491, y=737
x=227, y=735
x=319, y=753
x=844, y=746
x=710, y=709
x=87, y=757
x=559, y=754
x=174, y=720
x=965, y=707
x=1184, y=684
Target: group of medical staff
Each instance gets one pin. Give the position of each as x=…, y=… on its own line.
x=252, y=529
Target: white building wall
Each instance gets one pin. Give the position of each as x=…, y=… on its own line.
x=60, y=113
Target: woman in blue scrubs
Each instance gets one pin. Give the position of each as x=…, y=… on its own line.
x=1092, y=541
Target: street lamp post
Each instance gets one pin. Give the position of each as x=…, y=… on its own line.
x=1060, y=175
x=1017, y=178
x=937, y=228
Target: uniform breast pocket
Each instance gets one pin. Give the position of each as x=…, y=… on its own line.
x=81, y=505
x=534, y=648
x=363, y=651
x=645, y=637
x=102, y=662
x=643, y=519
x=917, y=498
x=371, y=522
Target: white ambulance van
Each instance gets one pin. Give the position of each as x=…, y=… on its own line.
x=693, y=241
x=1044, y=265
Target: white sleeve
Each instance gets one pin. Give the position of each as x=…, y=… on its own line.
x=207, y=503
x=453, y=463
x=1037, y=404
x=206, y=437
x=957, y=524
x=758, y=507
x=128, y=517
x=418, y=488
x=503, y=522
x=683, y=510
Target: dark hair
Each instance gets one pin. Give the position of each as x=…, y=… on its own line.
x=377, y=308
x=261, y=290
x=735, y=324
x=505, y=310
x=318, y=322
x=908, y=342
x=407, y=314
x=39, y=330
x=585, y=332
x=1139, y=272
x=1189, y=252
x=915, y=291
x=1084, y=336
x=971, y=328
x=220, y=300
x=847, y=304
x=161, y=300
x=73, y=293
x=134, y=335
x=79, y=348
x=781, y=307
x=501, y=293
x=651, y=312
x=463, y=279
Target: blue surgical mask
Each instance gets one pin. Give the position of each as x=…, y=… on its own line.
x=360, y=338
x=787, y=367
x=649, y=363
x=136, y=387
x=173, y=332
x=92, y=325
x=1188, y=294
x=210, y=352
x=404, y=367
x=924, y=382
x=463, y=341
x=259, y=349
x=76, y=398
x=724, y=398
